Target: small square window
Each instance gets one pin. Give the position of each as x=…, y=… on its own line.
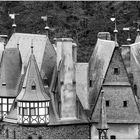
x=125, y=103
x=33, y=87
x=107, y=103
x=90, y=83
x=116, y=71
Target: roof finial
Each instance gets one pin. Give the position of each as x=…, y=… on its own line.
x=32, y=46
x=128, y=31
x=138, y=25
x=14, y=24
x=115, y=30
x=45, y=18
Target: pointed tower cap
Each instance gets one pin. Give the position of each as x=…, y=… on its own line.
x=102, y=118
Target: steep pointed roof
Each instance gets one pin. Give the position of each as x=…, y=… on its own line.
x=137, y=37
x=102, y=120
x=10, y=72
x=43, y=50
x=118, y=91
x=33, y=78
x=98, y=65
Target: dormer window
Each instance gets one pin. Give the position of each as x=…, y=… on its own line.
x=3, y=84
x=33, y=87
x=116, y=71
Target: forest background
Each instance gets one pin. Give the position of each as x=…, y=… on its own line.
x=81, y=20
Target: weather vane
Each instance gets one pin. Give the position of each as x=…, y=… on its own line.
x=138, y=25
x=14, y=22
x=113, y=19
x=127, y=29
x=45, y=18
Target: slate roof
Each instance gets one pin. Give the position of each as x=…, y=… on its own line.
x=32, y=77
x=117, y=94
x=137, y=38
x=43, y=51
x=98, y=65
x=10, y=72
x=82, y=84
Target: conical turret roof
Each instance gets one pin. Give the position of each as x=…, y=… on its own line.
x=32, y=89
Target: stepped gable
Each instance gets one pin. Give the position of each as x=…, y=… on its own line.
x=43, y=51
x=98, y=65
x=10, y=72
x=117, y=90
x=33, y=77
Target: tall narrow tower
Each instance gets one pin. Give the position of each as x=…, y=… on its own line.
x=102, y=125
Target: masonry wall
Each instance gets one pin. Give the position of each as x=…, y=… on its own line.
x=121, y=131
x=48, y=132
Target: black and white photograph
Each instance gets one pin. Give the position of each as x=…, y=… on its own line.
x=69, y=69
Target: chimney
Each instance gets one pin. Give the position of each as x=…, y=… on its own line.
x=67, y=80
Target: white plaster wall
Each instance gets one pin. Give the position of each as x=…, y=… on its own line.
x=121, y=131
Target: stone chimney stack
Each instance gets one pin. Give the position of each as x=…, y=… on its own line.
x=67, y=80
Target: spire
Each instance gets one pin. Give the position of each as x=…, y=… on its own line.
x=45, y=18
x=128, y=32
x=32, y=87
x=113, y=19
x=14, y=23
x=138, y=31
x=102, y=125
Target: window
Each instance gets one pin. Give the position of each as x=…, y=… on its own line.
x=3, y=84
x=29, y=137
x=112, y=137
x=116, y=71
x=39, y=137
x=33, y=87
x=33, y=111
x=90, y=83
x=125, y=103
x=135, y=89
x=25, y=111
x=107, y=103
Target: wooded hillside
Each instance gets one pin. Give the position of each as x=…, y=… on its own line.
x=79, y=20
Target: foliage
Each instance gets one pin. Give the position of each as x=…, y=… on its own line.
x=81, y=20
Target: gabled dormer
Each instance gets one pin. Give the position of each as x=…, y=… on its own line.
x=33, y=100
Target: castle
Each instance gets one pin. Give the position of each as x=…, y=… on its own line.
x=46, y=94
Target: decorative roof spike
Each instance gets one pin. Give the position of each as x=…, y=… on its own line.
x=115, y=30
x=45, y=18
x=128, y=31
x=14, y=24
x=32, y=47
x=102, y=125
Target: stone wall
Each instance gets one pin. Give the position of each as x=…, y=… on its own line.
x=77, y=131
